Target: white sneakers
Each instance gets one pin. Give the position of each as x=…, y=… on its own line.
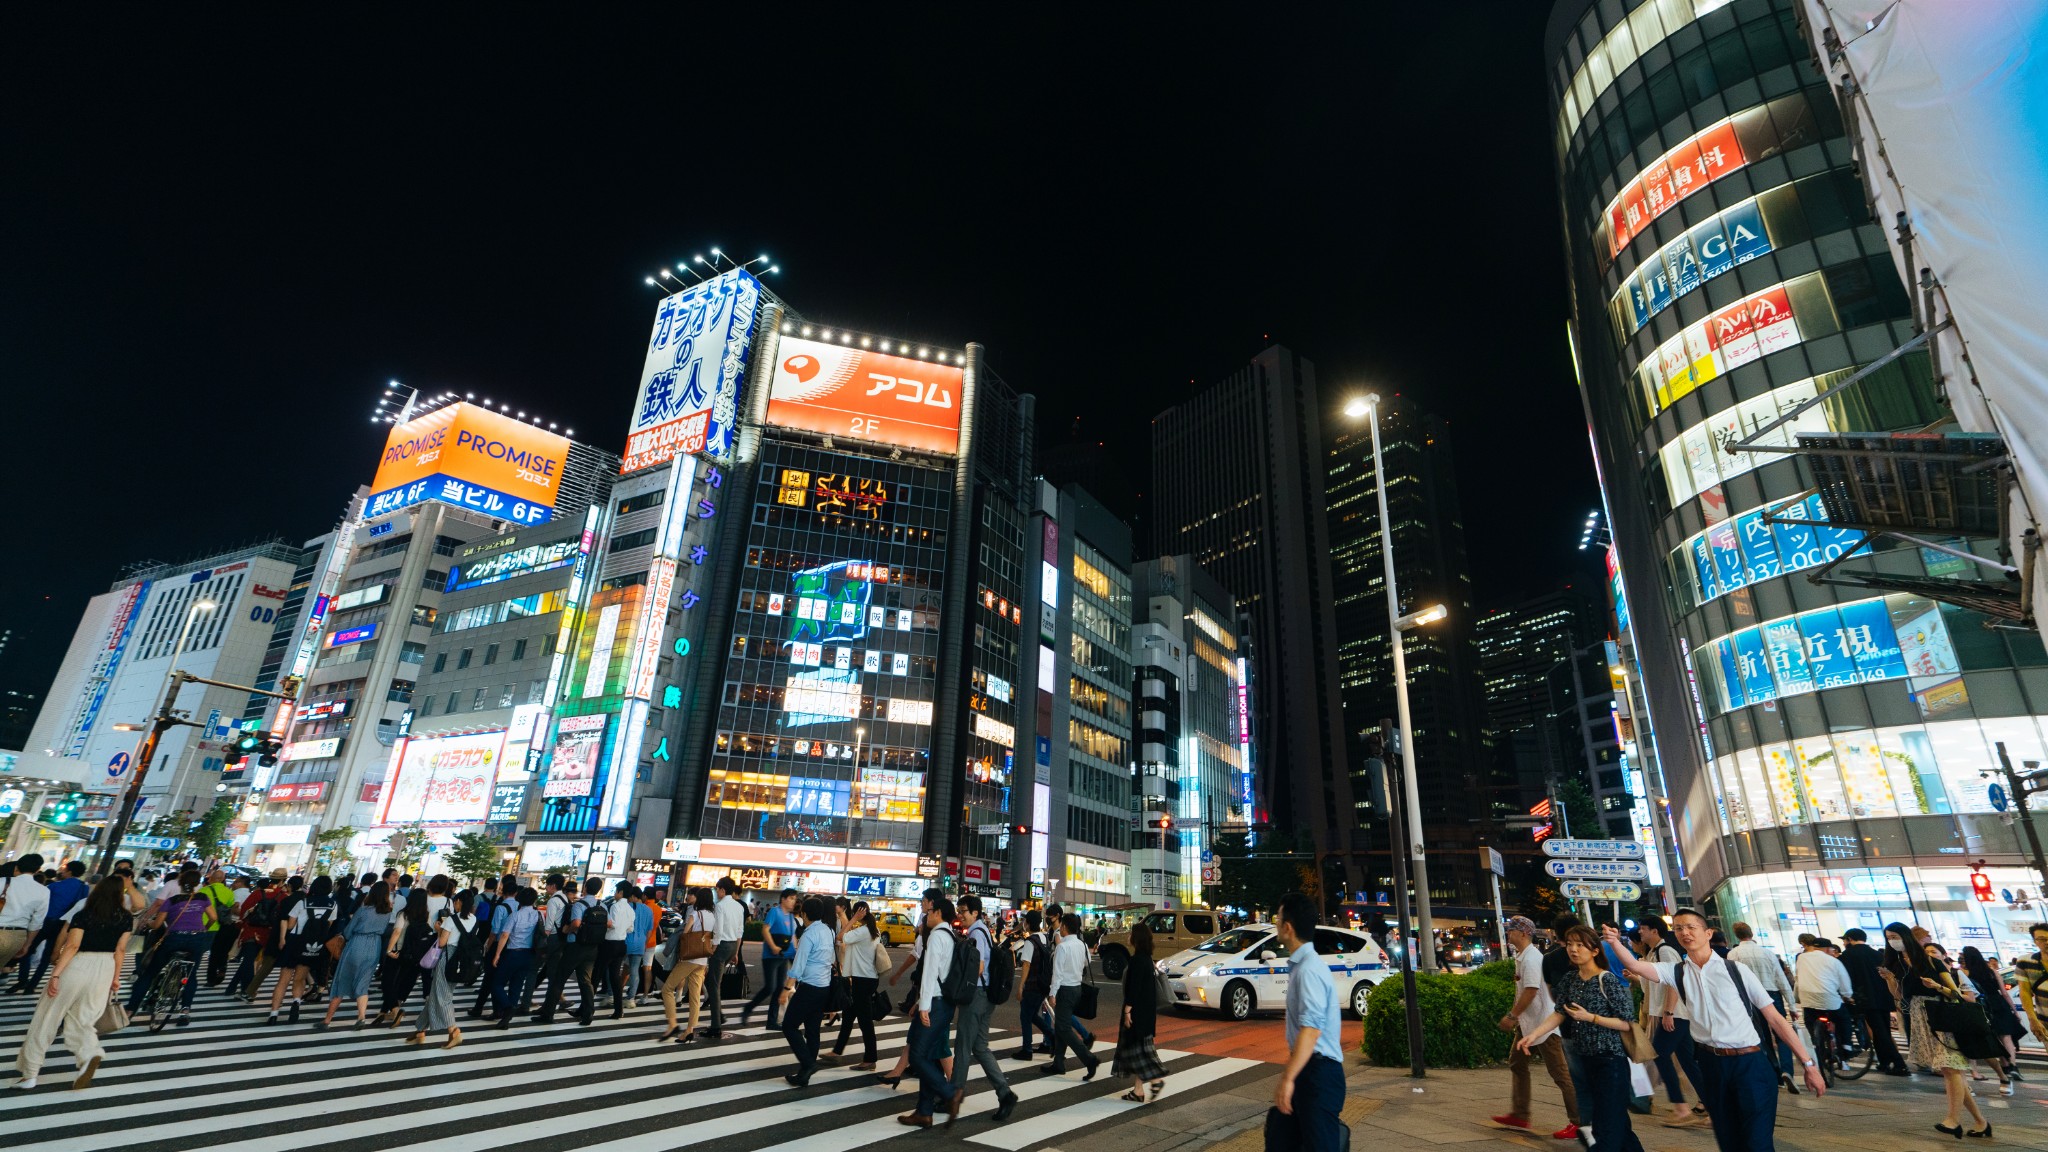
x=24, y=1082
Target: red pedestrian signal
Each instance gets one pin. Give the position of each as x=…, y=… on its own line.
x=1980, y=887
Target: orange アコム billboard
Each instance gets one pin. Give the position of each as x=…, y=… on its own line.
x=866, y=395
x=473, y=458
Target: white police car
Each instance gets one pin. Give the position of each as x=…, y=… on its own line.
x=1245, y=970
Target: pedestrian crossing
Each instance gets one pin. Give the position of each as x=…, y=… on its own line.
x=231, y=1083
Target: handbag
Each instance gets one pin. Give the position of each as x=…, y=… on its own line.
x=1638, y=1041
x=112, y=1019
x=883, y=961
x=1968, y=1024
x=693, y=945
x=877, y=1008
x=839, y=997
x=1086, y=1001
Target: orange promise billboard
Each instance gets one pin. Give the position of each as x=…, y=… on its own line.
x=473, y=458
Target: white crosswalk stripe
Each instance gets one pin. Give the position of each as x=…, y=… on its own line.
x=231, y=1083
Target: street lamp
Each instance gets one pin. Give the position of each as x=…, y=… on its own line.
x=1368, y=407
x=139, y=766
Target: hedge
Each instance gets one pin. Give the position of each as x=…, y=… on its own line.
x=1460, y=1018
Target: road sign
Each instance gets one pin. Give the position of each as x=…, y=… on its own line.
x=1494, y=862
x=213, y=722
x=1601, y=890
x=152, y=843
x=118, y=766
x=1594, y=849
x=1597, y=869
x=1996, y=794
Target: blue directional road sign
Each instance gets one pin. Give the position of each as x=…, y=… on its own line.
x=1594, y=849
x=1999, y=799
x=1597, y=869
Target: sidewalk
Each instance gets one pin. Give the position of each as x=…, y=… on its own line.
x=1384, y=1109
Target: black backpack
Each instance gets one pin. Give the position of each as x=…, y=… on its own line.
x=1002, y=972
x=319, y=925
x=963, y=975
x=1039, y=986
x=468, y=961
x=593, y=923
x=263, y=913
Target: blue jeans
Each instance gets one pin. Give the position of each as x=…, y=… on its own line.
x=1741, y=1094
x=1677, y=1042
x=193, y=946
x=933, y=1086
x=773, y=968
x=1313, y=1126
x=1602, y=1082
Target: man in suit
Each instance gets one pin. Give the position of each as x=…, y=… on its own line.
x=1873, y=998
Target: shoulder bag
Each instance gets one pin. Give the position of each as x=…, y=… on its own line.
x=694, y=943
x=883, y=961
x=1638, y=1041
x=1088, y=999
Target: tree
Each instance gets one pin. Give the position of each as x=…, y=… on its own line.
x=409, y=845
x=1580, y=811
x=209, y=833
x=475, y=857
x=1256, y=877
x=329, y=847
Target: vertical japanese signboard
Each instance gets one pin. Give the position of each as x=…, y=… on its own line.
x=696, y=361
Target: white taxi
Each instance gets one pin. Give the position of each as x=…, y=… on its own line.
x=1245, y=970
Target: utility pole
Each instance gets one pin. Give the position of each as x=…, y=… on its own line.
x=163, y=722
x=1397, y=851
x=2020, y=784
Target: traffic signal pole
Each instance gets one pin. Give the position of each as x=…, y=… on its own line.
x=163, y=722
x=2018, y=787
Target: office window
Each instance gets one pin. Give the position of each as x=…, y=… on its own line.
x=490, y=655
x=454, y=702
x=462, y=661
x=477, y=702
x=440, y=661
x=519, y=649
x=505, y=697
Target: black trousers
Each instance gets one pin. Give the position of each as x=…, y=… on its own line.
x=217, y=959
x=580, y=962
x=1879, y=1025
x=863, y=992
x=400, y=978
x=801, y=1022
x=611, y=968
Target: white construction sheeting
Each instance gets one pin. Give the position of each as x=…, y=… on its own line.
x=1952, y=105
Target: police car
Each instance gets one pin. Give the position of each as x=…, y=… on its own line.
x=1245, y=970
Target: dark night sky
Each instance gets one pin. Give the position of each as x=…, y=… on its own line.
x=219, y=239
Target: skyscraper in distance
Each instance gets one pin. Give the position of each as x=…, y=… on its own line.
x=1237, y=482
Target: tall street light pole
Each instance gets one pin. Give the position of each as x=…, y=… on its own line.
x=137, y=768
x=1368, y=406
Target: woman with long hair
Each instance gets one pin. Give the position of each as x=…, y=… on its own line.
x=1922, y=981
x=688, y=975
x=362, y=943
x=189, y=922
x=1135, y=1056
x=451, y=928
x=307, y=924
x=1601, y=1008
x=1998, y=1007
x=412, y=932
x=857, y=945
x=86, y=974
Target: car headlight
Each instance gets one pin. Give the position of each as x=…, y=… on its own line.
x=1159, y=965
x=1201, y=973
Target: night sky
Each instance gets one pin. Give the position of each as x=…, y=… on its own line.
x=219, y=238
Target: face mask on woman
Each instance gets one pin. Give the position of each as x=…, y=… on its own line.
x=1897, y=944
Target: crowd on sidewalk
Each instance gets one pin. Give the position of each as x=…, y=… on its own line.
x=1604, y=1010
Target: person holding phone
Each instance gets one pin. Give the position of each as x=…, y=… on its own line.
x=1602, y=1008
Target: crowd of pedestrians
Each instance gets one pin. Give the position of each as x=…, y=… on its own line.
x=1741, y=1024
x=391, y=950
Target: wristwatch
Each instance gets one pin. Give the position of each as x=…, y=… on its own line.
x=1809, y=1062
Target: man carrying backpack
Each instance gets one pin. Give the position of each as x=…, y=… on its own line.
x=583, y=927
x=993, y=976
x=552, y=956
x=261, y=910
x=1035, y=954
x=934, y=1015
x=492, y=919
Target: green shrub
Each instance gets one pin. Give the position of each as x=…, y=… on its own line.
x=1460, y=1018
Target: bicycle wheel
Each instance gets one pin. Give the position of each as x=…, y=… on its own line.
x=166, y=993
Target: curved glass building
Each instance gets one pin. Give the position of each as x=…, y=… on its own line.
x=1823, y=749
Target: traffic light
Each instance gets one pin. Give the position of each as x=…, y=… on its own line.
x=63, y=809
x=1019, y=830
x=267, y=752
x=291, y=686
x=245, y=744
x=1980, y=887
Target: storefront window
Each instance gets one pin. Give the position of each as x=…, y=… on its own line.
x=1781, y=774
x=1750, y=766
x=1863, y=775
x=1828, y=902
x=1821, y=778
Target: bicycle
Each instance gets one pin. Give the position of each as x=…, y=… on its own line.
x=1849, y=1060
x=166, y=994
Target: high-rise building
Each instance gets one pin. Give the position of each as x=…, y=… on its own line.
x=1726, y=270
x=1587, y=737
x=455, y=557
x=211, y=617
x=1518, y=647
x=1237, y=482
x=1083, y=612
x=1194, y=727
x=1460, y=793
x=830, y=632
